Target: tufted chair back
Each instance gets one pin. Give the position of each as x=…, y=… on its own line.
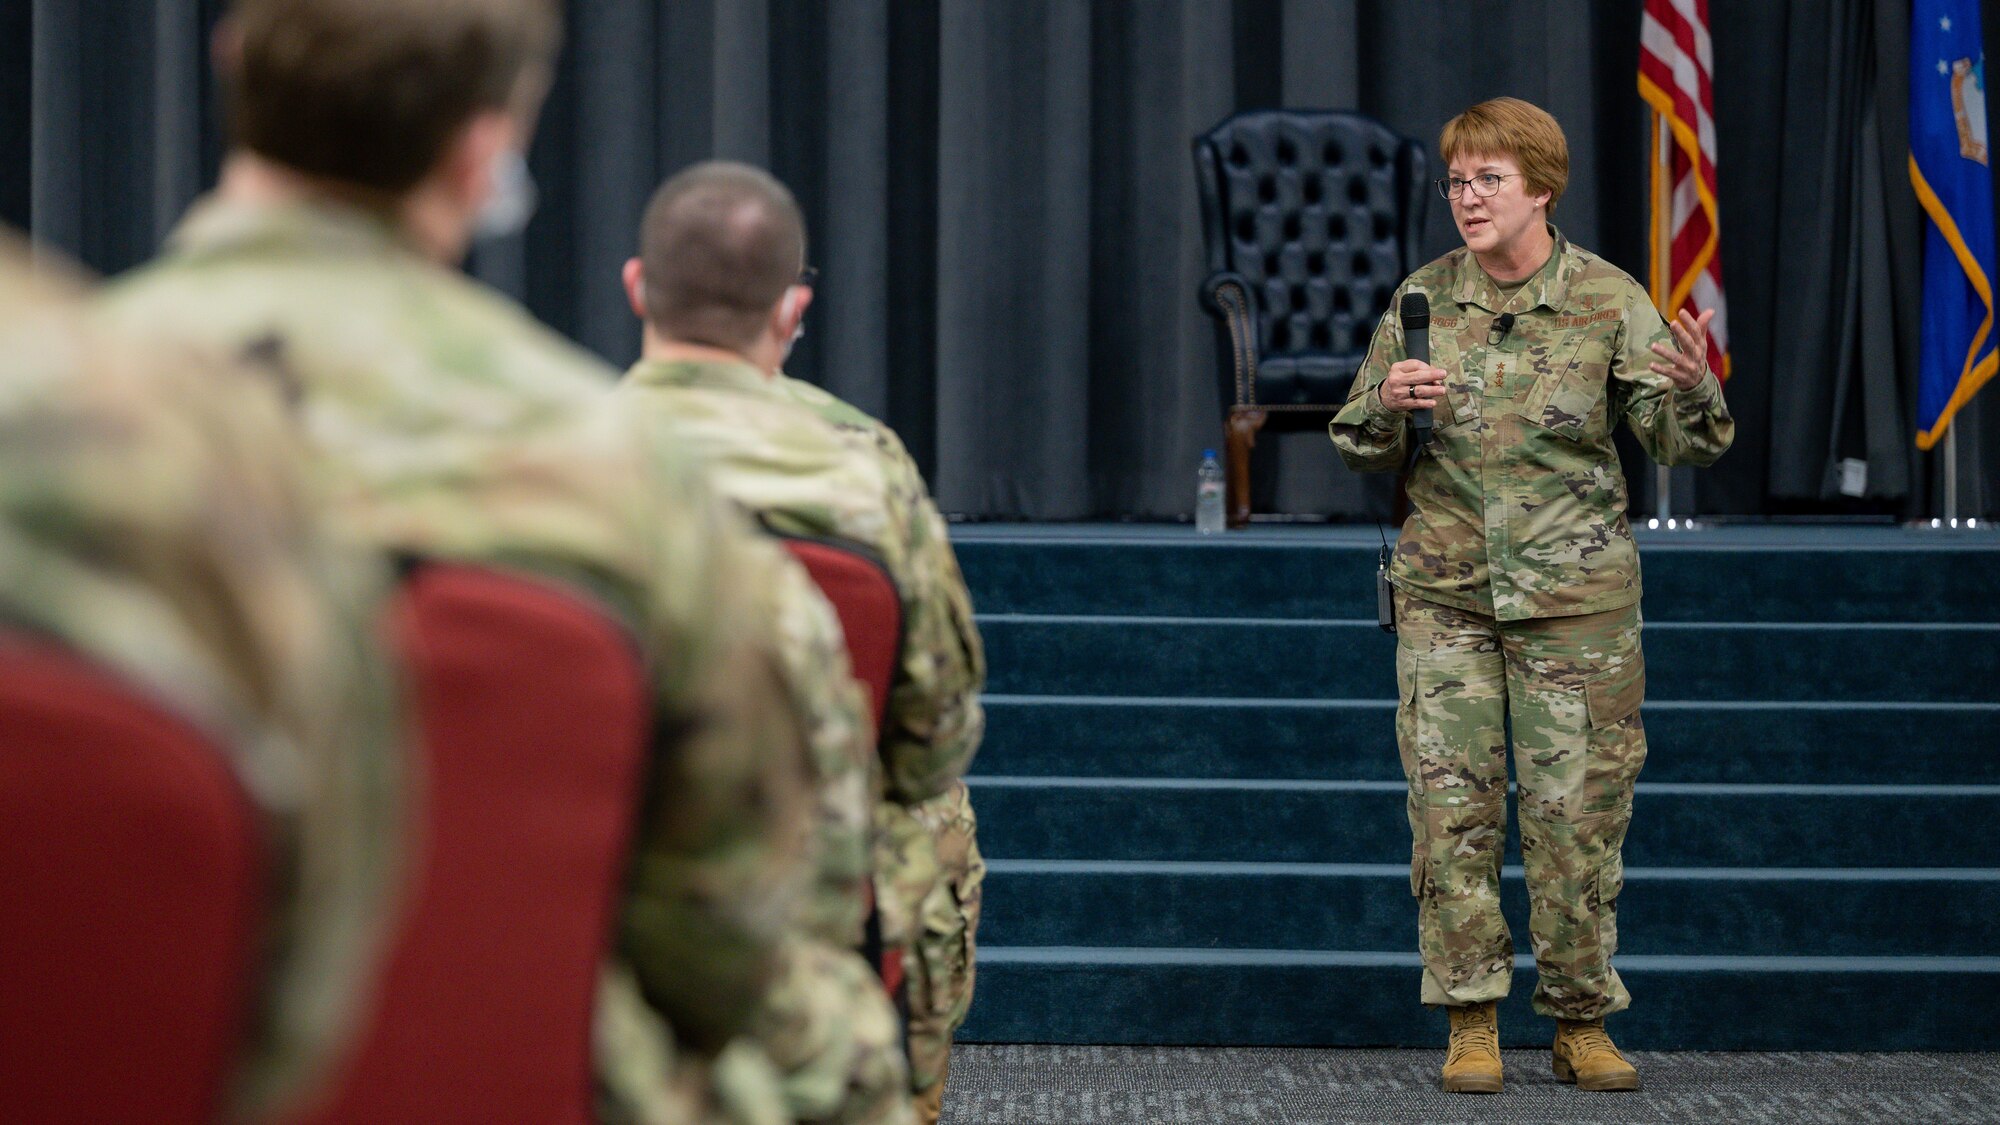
x=1311, y=220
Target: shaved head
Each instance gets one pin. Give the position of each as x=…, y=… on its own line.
x=720, y=245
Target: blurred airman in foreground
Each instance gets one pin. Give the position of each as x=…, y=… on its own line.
x=153, y=520
x=372, y=140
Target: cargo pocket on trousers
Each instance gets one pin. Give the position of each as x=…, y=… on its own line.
x=1610, y=883
x=1610, y=880
x=1420, y=870
x=1615, y=696
x=1406, y=666
x=934, y=953
x=945, y=950
x=1407, y=662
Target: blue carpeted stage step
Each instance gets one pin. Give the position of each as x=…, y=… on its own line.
x=1729, y=574
x=1322, y=659
x=1060, y=994
x=1674, y=824
x=1813, y=741
x=1742, y=911
x=1191, y=800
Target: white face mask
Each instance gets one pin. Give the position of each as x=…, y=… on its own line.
x=513, y=201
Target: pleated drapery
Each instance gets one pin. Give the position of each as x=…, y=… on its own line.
x=1002, y=205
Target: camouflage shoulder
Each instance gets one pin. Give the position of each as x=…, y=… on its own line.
x=1599, y=275
x=41, y=317
x=828, y=405
x=1435, y=277
x=460, y=308
x=843, y=415
x=527, y=339
x=129, y=302
x=136, y=280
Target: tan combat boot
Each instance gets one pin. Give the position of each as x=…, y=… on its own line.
x=1585, y=1055
x=1472, y=1061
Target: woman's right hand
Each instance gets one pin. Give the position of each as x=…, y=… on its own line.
x=1412, y=385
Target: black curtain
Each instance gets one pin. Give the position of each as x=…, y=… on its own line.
x=1852, y=196
x=1002, y=204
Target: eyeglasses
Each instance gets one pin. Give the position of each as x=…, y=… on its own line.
x=808, y=277
x=1486, y=185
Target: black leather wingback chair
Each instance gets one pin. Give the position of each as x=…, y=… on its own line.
x=1311, y=219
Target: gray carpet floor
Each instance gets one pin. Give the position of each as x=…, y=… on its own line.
x=1040, y=1085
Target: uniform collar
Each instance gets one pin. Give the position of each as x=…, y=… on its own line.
x=1548, y=287
x=216, y=226
x=702, y=374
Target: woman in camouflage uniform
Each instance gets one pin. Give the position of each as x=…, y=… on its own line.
x=1517, y=582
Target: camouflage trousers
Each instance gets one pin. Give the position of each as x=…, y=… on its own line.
x=1571, y=689
x=831, y=1031
x=940, y=959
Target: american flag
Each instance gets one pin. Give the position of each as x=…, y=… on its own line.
x=1674, y=67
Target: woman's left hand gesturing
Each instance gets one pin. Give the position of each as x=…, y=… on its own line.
x=1687, y=365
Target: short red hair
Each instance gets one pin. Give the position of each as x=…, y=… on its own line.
x=1512, y=127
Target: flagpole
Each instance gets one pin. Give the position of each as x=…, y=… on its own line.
x=1951, y=476
x=1663, y=490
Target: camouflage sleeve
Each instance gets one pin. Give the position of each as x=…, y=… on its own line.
x=332, y=685
x=722, y=858
x=1371, y=437
x=153, y=517
x=1675, y=427
x=934, y=721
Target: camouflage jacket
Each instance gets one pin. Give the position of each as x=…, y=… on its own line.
x=152, y=519
x=442, y=421
x=811, y=465
x=1518, y=506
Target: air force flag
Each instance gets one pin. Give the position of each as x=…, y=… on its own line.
x=1949, y=168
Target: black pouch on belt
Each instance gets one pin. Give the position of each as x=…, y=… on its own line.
x=1385, y=606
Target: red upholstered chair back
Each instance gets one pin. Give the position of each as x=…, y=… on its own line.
x=869, y=606
x=133, y=871
x=535, y=721
x=871, y=614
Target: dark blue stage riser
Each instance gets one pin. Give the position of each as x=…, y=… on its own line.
x=1365, y=822
x=1312, y=659
x=1291, y=579
x=1194, y=812
x=1694, y=741
x=1663, y=911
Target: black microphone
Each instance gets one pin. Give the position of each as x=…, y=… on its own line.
x=1498, y=333
x=1416, y=316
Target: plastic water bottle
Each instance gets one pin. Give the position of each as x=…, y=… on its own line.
x=1208, y=495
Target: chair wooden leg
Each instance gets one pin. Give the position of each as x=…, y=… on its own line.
x=1241, y=433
